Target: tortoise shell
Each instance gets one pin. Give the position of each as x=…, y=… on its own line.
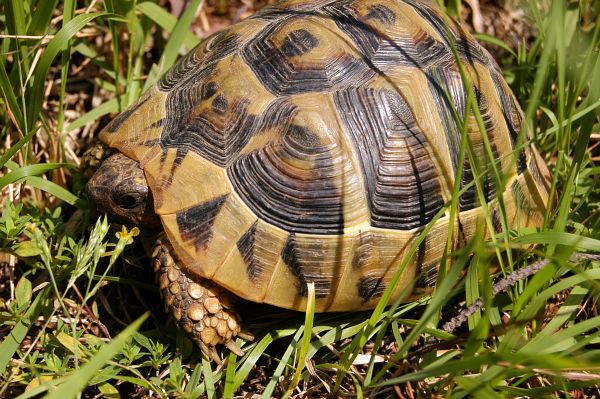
x=315, y=140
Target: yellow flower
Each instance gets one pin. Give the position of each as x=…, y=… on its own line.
x=31, y=226
x=127, y=236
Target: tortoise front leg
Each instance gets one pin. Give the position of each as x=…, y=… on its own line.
x=93, y=157
x=202, y=308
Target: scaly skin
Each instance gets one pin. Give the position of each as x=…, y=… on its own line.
x=119, y=188
x=93, y=158
x=202, y=308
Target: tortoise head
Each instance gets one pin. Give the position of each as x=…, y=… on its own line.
x=119, y=189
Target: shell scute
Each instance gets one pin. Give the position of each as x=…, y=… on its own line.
x=303, y=53
x=399, y=174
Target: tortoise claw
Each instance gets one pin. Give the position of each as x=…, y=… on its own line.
x=245, y=335
x=232, y=346
x=211, y=352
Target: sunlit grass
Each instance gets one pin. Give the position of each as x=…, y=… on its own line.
x=540, y=337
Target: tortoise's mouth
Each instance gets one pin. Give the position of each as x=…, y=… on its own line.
x=119, y=189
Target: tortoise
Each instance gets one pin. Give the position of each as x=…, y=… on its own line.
x=313, y=143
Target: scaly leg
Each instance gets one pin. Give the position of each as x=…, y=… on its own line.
x=202, y=308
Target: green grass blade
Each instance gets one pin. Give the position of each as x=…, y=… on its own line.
x=587, y=124
x=306, y=338
x=15, y=17
x=540, y=300
x=166, y=21
x=494, y=41
x=110, y=7
x=195, y=388
x=65, y=59
x=361, y=339
x=88, y=52
x=11, y=342
x=590, y=111
x=76, y=382
x=476, y=389
x=254, y=355
x=284, y=363
x=437, y=301
x=452, y=367
x=229, y=387
x=472, y=294
x=209, y=382
x=560, y=340
x=335, y=334
x=111, y=106
x=13, y=149
x=575, y=241
x=11, y=99
x=177, y=38
x=16, y=24
x=567, y=310
x=40, y=19
x=53, y=189
x=31, y=170
x=59, y=43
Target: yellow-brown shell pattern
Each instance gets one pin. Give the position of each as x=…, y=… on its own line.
x=314, y=141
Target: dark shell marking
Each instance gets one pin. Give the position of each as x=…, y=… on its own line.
x=381, y=14
x=468, y=50
x=399, y=175
x=246, y=247
x=273, y=185
x=512, y=117
x=370, y=287
x=448, y=93
x=380, y=51
x=298, y=42
x=306, y=264
x=195, y=224
x=284, y=73
x=116, y=123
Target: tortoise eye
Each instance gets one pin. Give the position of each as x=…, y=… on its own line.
x=128, y=201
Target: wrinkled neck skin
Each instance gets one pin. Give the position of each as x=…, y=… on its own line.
x=119, y=189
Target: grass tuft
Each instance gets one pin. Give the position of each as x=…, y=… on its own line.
x=74, y=294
